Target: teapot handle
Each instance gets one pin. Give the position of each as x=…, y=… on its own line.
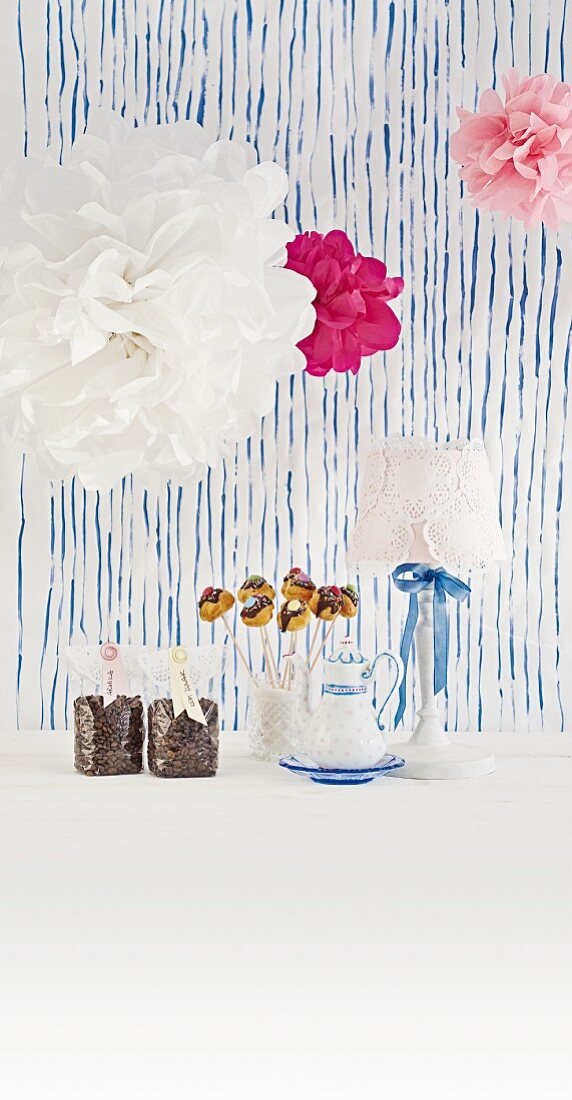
x=399, y=672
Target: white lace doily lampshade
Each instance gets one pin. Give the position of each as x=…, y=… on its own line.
x=426, y=502
x=429, y=507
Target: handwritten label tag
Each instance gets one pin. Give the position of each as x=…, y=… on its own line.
x=113, y=675
x=182, y=691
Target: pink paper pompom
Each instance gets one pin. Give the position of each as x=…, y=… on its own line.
x=352, y=291
x=516, y=156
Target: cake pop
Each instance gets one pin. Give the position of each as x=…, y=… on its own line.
x=293, y=615
x=298, y=585
x=350, y=596
x=326, y=602
x=213, y=603
x=257, y=611
x=255, y=585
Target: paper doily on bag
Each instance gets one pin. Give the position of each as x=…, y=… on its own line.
x=204, y=663
x=85, y=662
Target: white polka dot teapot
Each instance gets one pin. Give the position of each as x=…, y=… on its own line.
x=345, y=731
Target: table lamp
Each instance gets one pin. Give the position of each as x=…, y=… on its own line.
x=428, y=513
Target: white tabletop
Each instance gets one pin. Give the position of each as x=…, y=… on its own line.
x=257, y=935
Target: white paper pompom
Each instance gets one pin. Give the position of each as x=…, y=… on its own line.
x=145, y=314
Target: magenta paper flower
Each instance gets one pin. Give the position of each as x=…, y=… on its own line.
x=353, y=318
x=516, y=156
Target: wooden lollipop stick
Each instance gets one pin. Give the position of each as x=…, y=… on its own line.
x=274, y=660
x=238, y=649
x=287, y=675
x=267, y=664
x=323, y=645
x=269, y=657
x=270, y=662
x=314, y=640
x=266, y=659
x=290, y=670
x=286, y=681
x=284, y=675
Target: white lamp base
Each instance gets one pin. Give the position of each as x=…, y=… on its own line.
x=430, y=753
x=444, y=760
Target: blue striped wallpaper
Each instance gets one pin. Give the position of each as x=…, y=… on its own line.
x=356, y=99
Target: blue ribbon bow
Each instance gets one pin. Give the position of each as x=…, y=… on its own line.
x=422, y=576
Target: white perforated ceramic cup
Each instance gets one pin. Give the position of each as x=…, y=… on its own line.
x=273, y=722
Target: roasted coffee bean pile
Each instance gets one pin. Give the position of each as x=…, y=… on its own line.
x=108, y=740
x=180, y=747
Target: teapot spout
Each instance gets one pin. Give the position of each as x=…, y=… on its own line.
x=302, y=683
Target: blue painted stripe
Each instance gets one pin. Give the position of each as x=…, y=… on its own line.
x=147, y=535
x=75, y=91
x=48, y=605
x=20, y=590
x=179, y=569
x=62, y=552
x=23, y=76
x=158, y=553
x=48, y=74
x=557, y=613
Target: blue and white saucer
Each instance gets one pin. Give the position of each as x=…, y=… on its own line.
x=304, y=766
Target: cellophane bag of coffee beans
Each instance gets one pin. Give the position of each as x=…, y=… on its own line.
x=181, y=748
x=108, y=734
x=108, y=740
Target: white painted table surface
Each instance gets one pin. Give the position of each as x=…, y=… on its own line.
x=256, y=935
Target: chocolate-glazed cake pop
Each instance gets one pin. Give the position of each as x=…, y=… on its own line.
x=255, y=585
x=297, y=585
x=293, y=615
x=327, y=602
x=293, y=572
x=257, y=611
x=350, y=596
x=213, y=603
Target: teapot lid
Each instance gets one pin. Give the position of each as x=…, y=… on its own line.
x=345, y=665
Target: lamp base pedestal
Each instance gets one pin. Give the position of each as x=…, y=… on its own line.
x=442, y=759
x=430, y=753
